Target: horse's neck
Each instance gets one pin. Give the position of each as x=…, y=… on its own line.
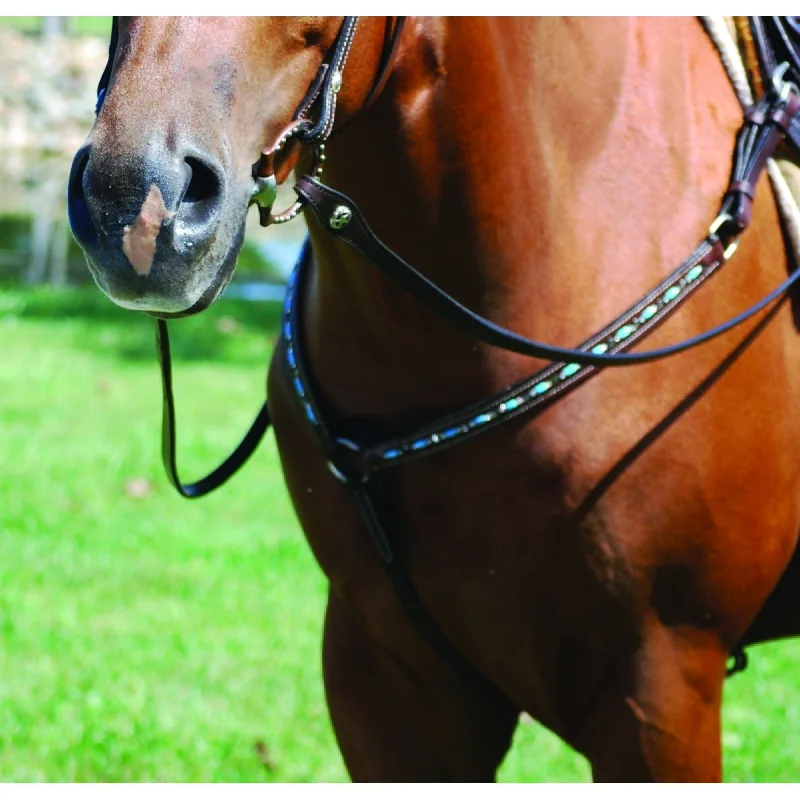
x=545, y=171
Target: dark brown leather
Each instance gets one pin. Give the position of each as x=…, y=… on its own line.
x=766, y=126
x=231, y=465
x=776, y=40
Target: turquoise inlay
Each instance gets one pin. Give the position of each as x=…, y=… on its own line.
x=648, y=312
x=694, y=273
x=481, y=419
x=541, y=387
x=291, y=357
x=449, y=433
x=570, y=369
x=599, y=349
x=420, y=444
x=389, y=454
x=671, y=293
x=624, y=332
x=513, y=403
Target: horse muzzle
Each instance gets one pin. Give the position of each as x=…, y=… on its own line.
x=152, y=228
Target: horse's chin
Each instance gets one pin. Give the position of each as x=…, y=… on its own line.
x=171, y=304
x=173, y=289
x=206, y=300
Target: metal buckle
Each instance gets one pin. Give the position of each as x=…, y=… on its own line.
x=341, y=447
x=781, y=87
x=713, y=232
x=740, y=661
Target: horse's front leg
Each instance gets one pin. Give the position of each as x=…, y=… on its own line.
x=399, y=712
x=401, y=721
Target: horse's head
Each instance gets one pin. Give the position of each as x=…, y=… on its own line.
x=159, y=193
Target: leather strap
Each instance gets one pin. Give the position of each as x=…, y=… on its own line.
x=765, y=126
x=391, y=39
x=331, y=78
x=535, y=393
x=365, y=498
x=102, y=85
x=776, y=41
x=360, y=237
x=231, y=464
x=323, y=87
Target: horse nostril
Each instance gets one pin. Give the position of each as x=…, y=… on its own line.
x=80, y=221
x=204, y=184
x=200, y=201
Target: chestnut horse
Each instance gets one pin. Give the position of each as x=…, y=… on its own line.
x=596, y=563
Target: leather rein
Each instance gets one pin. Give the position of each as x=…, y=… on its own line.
x=360, y=465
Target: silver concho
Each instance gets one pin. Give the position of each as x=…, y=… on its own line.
x=340, y=217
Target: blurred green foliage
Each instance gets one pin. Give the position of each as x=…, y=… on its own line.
x=86, y=26
x=16, y=251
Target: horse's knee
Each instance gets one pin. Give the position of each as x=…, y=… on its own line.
x=659, y=720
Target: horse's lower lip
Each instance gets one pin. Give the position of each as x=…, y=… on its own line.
x=208, y=298
x=195, y=308
x=189, y=312
x=131, y=292
x=168, y=315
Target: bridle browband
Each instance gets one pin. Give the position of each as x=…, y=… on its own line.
x=361, y=465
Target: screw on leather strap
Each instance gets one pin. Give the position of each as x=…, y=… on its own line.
x=324, y=201
x=330, y=79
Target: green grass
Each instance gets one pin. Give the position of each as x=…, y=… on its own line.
x=144, y=637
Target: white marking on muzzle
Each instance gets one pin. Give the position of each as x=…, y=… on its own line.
x=139, y=239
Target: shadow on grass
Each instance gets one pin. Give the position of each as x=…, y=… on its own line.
x=233, y=330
